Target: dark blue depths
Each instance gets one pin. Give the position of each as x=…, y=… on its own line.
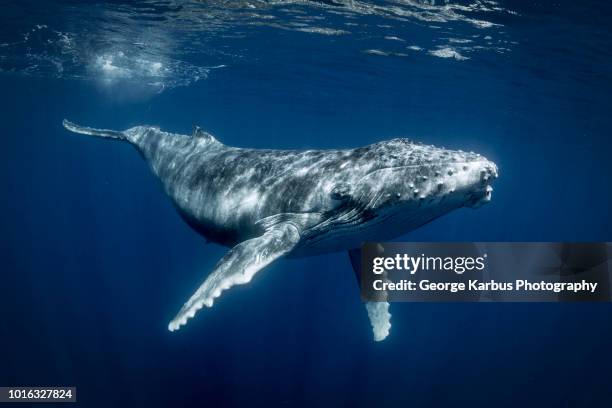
x=96, y=261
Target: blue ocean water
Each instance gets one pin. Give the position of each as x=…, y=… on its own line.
x=95, y=261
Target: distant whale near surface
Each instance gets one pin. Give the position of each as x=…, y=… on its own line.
x=266, y=204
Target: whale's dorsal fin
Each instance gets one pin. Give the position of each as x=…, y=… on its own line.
x=238, y=266
x=199, y=133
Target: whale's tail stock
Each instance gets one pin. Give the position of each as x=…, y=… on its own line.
x=111, y=134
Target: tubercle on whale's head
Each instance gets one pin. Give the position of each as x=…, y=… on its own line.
x=426, y=179
x=479, y=177
x=459, y=177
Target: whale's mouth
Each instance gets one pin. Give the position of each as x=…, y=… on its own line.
x=483, y=192
x=476, y=200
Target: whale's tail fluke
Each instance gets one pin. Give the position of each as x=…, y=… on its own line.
x=111, y=134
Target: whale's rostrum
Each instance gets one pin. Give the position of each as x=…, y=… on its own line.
x=265, y=204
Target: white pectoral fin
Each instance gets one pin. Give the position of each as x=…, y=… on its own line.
x=238, y=267
x=380, y=319
x=378, y=312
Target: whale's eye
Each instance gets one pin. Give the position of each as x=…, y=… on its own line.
x=341, y=192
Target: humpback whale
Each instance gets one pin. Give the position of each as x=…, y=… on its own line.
x=265, y=204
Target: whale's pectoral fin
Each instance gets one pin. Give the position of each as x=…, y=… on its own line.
x=378, y=312
x=238, y=266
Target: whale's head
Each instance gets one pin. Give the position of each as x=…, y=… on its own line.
x=412, y=183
